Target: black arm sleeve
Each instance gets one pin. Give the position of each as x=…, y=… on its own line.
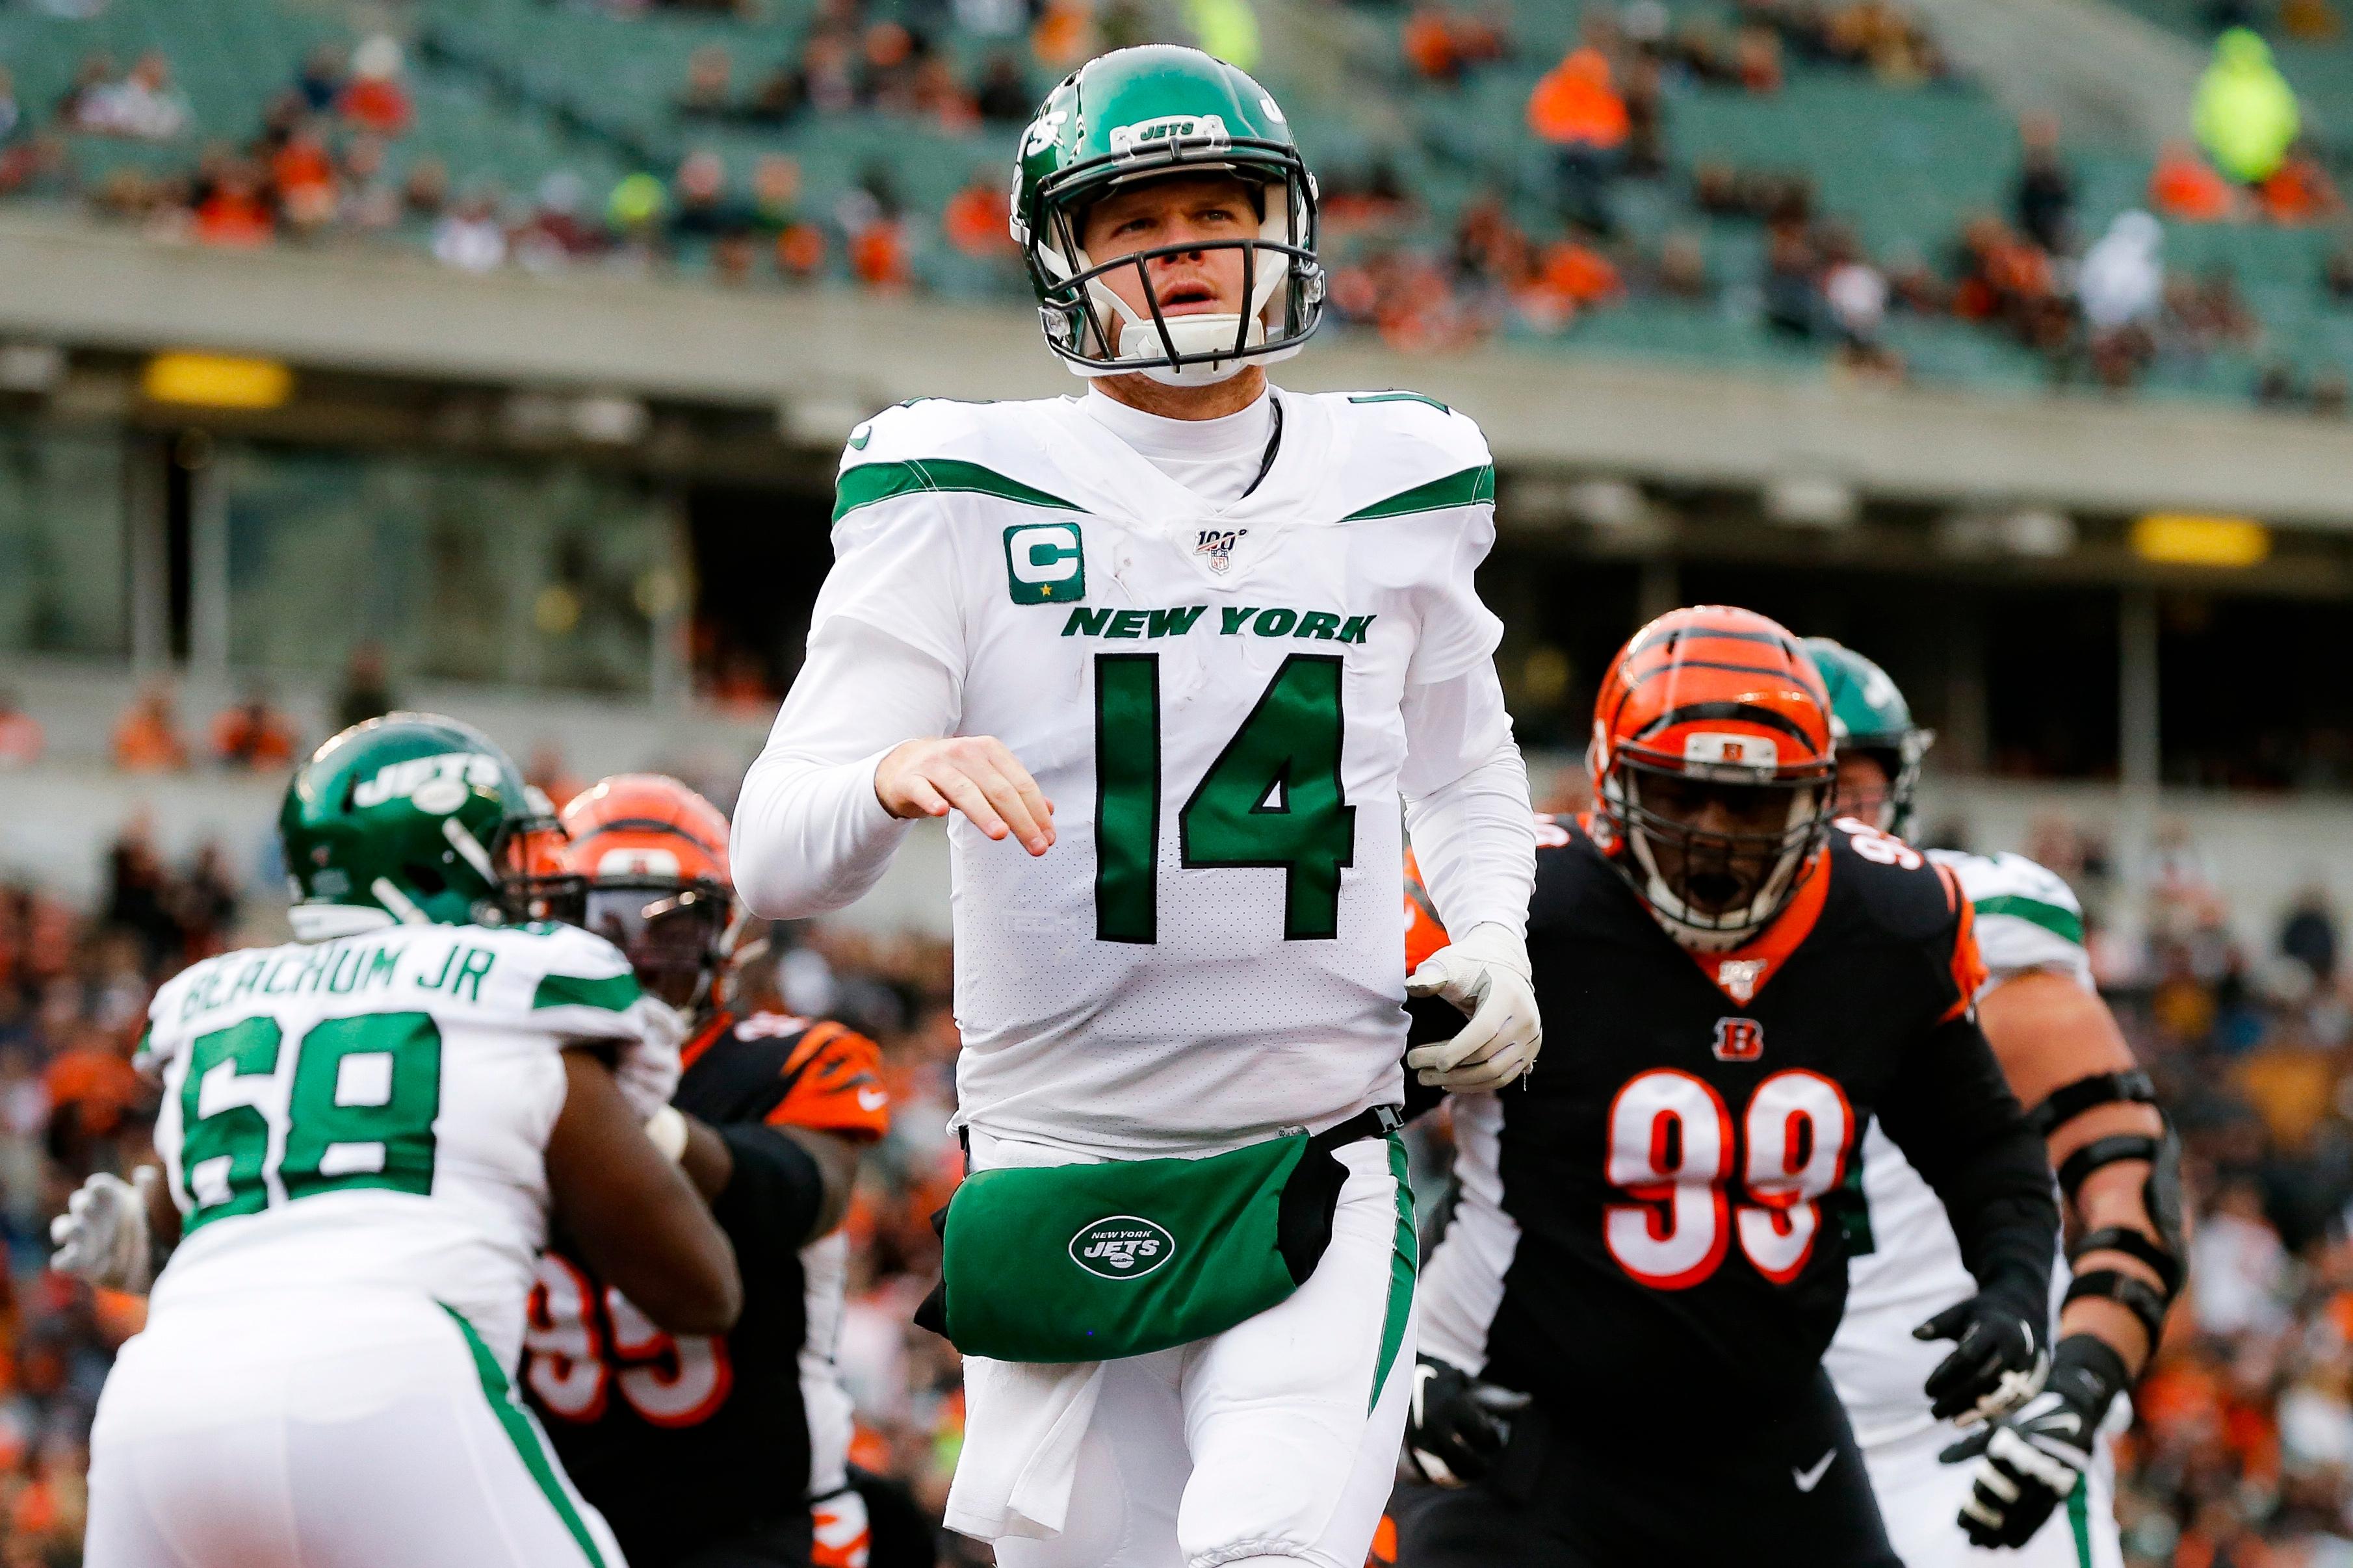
x=1951, y=1112
x=772, y=1201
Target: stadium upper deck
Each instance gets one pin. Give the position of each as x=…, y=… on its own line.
x=1768, y=185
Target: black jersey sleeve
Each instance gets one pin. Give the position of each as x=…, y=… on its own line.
x=1950, y=1110
x=772, y=1199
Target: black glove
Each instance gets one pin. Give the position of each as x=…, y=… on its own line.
x=1999, y=1363
x=1458, y=1425
x=2032, y=1459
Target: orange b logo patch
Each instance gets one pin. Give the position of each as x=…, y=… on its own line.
x=1739, y=1039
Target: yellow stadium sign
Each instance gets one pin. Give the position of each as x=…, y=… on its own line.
x=2183, y=539
x=217, y=380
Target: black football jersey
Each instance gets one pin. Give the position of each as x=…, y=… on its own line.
x=682, y=1440
x=1653, y=1217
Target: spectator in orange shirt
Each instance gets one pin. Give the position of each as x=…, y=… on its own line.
x=92, y=1088
x=234, y=213
x=147, y=737
x=253, y=734
x=2183, y=186
x=2299, y=192
x=304, y=173
x=20, y=734
x=974, y=219
x=376, y=99
x=1576, y=108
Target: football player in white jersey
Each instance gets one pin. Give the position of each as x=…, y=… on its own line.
x=362, y=1136
x=1173, y=653
x=1951, y=1497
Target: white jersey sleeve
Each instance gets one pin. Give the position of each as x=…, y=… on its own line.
x=2027, y=917
x=371, y=1114
x=2026, y=920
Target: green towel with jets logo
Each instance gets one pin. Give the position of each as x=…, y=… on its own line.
x=1066, y=1263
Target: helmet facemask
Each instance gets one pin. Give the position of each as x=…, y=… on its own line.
x=674, y=934
x=1283, y=281
x=1712, y=888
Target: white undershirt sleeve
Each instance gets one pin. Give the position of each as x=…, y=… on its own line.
x=1466, y=802
x=810, y=834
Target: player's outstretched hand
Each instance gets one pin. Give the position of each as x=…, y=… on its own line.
x=2031, y=1460
x=1486, y=974
x=102, y=1235
x=1998, y=1363
x=976, y=774
x=1458, y=1425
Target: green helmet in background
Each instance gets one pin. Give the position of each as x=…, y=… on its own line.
x=409, y=819
x=1145, y=113
x=1868, y=714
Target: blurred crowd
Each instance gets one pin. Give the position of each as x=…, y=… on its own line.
x=2241, y=1456
x=1522, y=254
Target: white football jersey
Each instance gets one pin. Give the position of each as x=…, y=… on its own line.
x=1210, y=698
x=2026, y=920
x=372, y=1112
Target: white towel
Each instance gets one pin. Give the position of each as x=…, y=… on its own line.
x=1022, y=1424
x=1022, y=1420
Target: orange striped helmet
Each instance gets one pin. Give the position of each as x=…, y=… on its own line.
x=646, y=865
x=1711, y=760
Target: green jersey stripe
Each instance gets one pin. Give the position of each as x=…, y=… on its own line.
x=870, y=482
x=1398, y=397
x=2056, y=919
x=1469, y=487
x=529, y=1446
x=614, y=993
x=1402, y=1259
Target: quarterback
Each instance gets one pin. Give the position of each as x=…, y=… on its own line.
x=1174, y=652
x=2118, y=1168
x=363, y=1136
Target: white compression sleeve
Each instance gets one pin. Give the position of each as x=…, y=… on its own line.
x=1466, y=793
x=810, y=834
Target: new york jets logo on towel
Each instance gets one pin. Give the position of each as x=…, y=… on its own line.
x=1124, y=1246
x=1045, y=563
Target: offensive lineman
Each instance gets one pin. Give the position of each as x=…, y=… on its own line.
x=1622, y=1328
x=2061, y=1053
x=363, y=1133
x=1227, y=628
x=725, y=1450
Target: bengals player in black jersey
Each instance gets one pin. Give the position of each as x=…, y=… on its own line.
x=727, y=1451
x=1622, y=1327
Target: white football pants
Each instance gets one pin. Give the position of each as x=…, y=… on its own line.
x=317, y=1430
x=1921, y=1499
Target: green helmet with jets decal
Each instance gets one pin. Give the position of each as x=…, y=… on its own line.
x=1147, y=113
x=408, y=819
x=1869, y=715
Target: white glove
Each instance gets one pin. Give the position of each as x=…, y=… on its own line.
x=646, y=1069
x=102, y=1235
x=1486, y=974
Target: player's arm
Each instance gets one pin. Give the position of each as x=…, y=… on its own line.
x=1951, y=1112
x=796, y=1178
x=638, y=1221
x=1466, y=795
x=2120, y=1172
x=116, y=1234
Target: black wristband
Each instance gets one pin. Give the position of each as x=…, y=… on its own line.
x=2090, y=1371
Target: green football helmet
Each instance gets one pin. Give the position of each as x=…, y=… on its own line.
x=1868, y=714
x=1144, y=113
x=409, y=819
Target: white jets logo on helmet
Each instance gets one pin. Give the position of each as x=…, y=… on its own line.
x=437, y=784
x=1128, y=140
